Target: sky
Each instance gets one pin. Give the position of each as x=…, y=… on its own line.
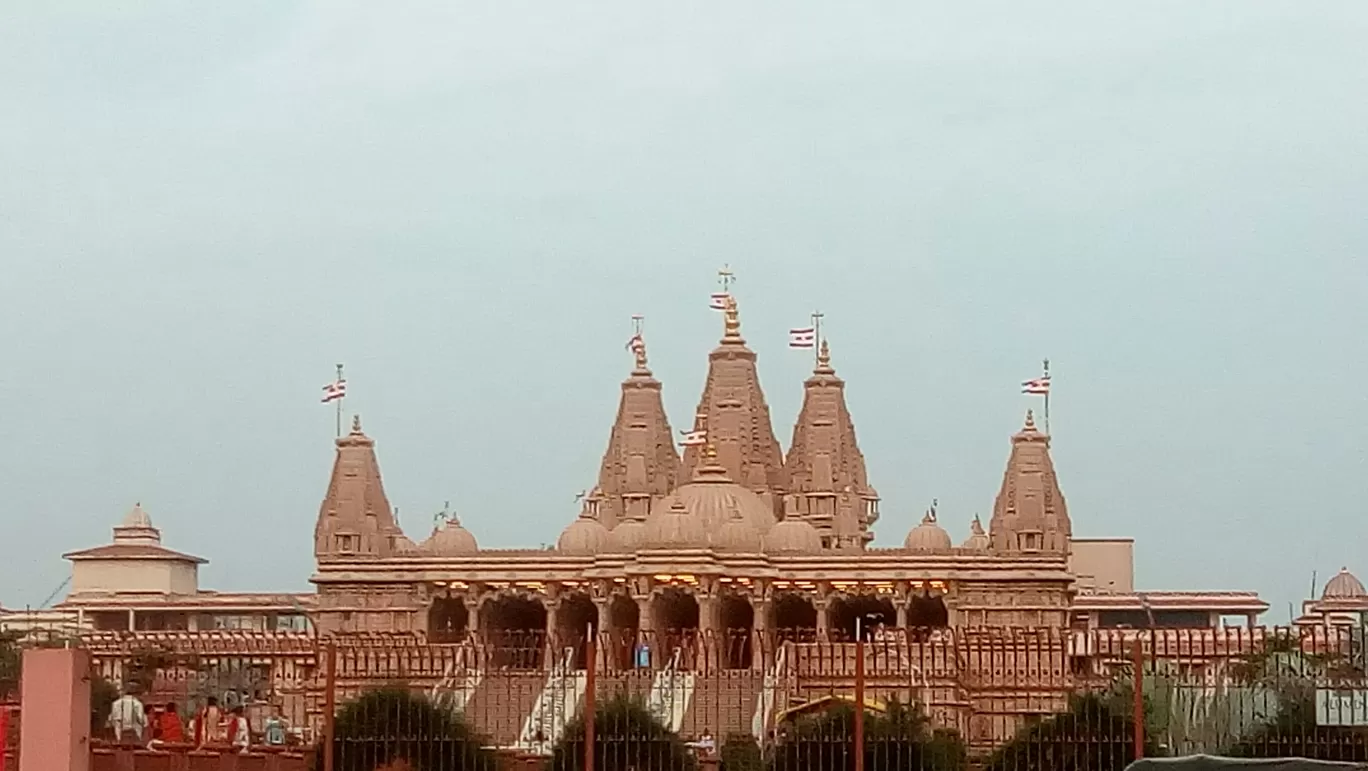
x=205, y=206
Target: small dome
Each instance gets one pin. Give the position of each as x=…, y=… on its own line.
x=977, y=540
x=628, y=536
x=584, y=536
x=738, y=535
x=1344, y=585
x=793, y=536
x=403, y=544
x=928, y=536
x=136, y=517
x=675, y=528
x=450, y=540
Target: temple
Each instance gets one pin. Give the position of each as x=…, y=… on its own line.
x=732, y=539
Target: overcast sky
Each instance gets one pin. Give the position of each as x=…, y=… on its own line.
x=203, y=207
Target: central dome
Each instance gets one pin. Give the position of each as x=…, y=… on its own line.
x=711, y=497
x=450, y=540
x=928, y=536
x=1343, y=586
x=674, y=528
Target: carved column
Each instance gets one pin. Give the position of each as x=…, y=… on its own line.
x=472, y=606
x=763, y=653
x=642, y=593
x=823, y=606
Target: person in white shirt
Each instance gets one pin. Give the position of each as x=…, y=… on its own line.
x=128, y=718
x=239, y=733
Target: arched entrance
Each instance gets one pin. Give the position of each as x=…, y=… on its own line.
x=795, y=618
x=736, y=620
x=447, y=620
x=625, y=619
x=515, y=629
x=925, y=612
x=868, y=613
x=676, y=626
x=576, y=619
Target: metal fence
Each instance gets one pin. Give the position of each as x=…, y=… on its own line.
x=1010, y=699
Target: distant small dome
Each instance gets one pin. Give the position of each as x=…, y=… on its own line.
x=404, y=544
x=977, y=540
x=136, y=517
x=928, y=536
x=675, y=528
x=1344, y=585
x=450, y=540
x=628, y=536
x=793, y=536
x=584, y=536
x=738, y=535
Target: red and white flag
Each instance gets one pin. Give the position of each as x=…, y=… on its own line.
x=334, y=391
x=718, y=301
x=694, y=438
x=634, y=342
x=1039, y=386
x=803, y=337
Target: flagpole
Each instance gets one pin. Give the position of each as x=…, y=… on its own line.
x=1047, y=397
x=816, y=338
x=341, y=399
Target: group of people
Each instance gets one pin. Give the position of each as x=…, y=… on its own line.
x=133, y=722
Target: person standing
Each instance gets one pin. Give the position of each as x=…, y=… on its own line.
x=128, y=718
x=239, y=733
x=208, y=723
x=172, y=730
x=274, y=728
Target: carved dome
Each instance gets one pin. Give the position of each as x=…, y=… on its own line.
x=584, y=536
x=628, y=536
x=711, y=497
x=1343, y=586
x=675, y=528
x=928, y=536
x=136, y=517
x=977, y=540
x=450, y=540
x=738, y=535
x=793, y=536
x=404, y=545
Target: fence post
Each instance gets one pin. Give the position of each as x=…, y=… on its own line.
x=1138, y=696
x=329, y=703
x=859, y=701
x=590, y=667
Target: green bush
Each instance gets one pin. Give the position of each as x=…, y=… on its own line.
x=899, y=738
x=1095, y=733
x=391, y=723
x=626, y=737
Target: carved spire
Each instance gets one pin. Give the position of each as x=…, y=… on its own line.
x=356, y=519
x=827, y=480
x=641, y=464
x=738, y=419
x=1030, y=514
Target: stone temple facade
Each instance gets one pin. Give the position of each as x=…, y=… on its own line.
x=734, y=537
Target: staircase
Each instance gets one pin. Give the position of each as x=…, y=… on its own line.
x=460, y=680
x=670, y=693
x=554, y=707
x=772, y=693
x=501, y=702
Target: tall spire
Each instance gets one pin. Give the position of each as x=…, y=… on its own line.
x=1030, y=514
x=641, y=464
x=355, y=519
x=827, y=480
x=738, y=419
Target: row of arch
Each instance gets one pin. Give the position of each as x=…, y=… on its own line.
x=515, y=628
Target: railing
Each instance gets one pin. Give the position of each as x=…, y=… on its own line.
x=1006, y=698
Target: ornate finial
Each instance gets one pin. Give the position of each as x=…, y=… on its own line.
x=356, y=424
x=976, y=527
x=823, y=356
x=710, y=453
x=732, y=320
x=1030, y=420
x=726, y=277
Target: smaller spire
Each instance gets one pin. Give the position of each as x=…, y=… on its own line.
x=976, y=527
x=1030, y=421
x=823, y=360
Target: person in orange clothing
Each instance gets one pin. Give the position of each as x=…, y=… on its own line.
x=172, y=730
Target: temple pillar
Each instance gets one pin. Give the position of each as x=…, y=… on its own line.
x=763, y=653
x=553, y=643
x=823, y=607
x=604, y=639
x=645, y=629
x=710, y=646
x=472, y=606
x=902, y=613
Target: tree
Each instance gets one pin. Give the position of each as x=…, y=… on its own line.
x=391, y=724
x=901, y=737
x=626, y=736
x=740, y=752
x=1095, y=733
x=10, y=657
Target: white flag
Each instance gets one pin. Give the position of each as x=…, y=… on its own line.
x=334, y=391
x=803, y=337
x=694, y=438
